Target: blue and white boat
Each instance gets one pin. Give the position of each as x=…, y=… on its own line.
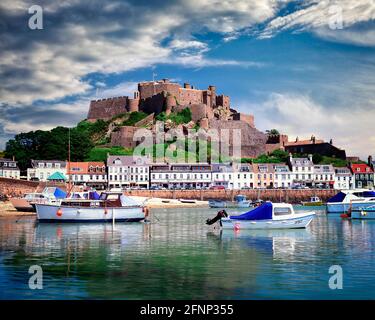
x=363, y=213
x=347, y=200
x=217, y=203
x=242, y=202
x=267, y=216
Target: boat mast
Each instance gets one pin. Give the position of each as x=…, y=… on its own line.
x=69, y=182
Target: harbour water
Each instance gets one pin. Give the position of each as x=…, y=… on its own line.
x=178, y=257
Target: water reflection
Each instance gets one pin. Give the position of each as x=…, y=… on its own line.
x=179, y=257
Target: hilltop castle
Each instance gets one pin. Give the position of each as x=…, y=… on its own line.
x=208, y=109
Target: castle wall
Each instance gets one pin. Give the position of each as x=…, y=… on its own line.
x=190, y=96
x=106, y=109
x=248, y=118
x=149, y=89
x=124, y=137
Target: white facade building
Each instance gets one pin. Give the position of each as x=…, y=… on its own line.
x=344, y=178
x=302, y=170
x=42, y=169
x=243, y=176
x=222, y=175
x=128, y=171
x=9, y=169
x=283, y=177
x=88, y=174
x=324, y=176
x=181, y=176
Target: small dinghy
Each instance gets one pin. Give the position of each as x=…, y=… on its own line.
x=267, y=216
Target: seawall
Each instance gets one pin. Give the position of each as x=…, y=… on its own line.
x=276, y=195
x=17, y=188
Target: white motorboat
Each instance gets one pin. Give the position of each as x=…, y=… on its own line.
x=242, y=202
x=347, y=200
x=27, y=203
x=109, y=207
x=267, y=216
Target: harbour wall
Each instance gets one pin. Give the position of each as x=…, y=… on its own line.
x=17, y=188
x=275, y=195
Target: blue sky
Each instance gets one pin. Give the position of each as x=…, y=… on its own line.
x=303, y=67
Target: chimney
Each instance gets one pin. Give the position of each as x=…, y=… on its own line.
x=310, y=157
x=290, y=156
x=187, y=85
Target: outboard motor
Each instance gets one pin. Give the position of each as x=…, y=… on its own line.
x=220, y=214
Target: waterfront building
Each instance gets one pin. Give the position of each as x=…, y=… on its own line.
x=264, y=175
x=88, y=174
x=363, y=175
x=181, y=175
x=302, y=170
x=9, y=169
x=41, y=170
x=324, y=176
x=243, y=176
x=344, y=179
x=128, y=172
x=283, y=177
x=222, y=175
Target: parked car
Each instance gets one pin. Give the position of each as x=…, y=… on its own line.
x=217, y=188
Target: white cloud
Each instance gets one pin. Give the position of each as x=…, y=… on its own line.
x=299, y=115
x=80, y=38
x=325, y=19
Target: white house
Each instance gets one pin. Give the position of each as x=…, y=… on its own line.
x=302, y=170
x=128, y=171
x=89, y=174
x=181, y=175
x=344, y=178
x=243, y=176
x=283, y=177
x=222, y=175
x=42, y=169
x=9, y=169
x=324, y=176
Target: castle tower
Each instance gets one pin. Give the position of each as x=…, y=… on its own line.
x=212, y=89
x=133, y=104
x=170, y=102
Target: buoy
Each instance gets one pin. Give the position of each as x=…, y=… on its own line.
x=236, y=227
x=105, y=211
x=344, y=216
x=59, y=212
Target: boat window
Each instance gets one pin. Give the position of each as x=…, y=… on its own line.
x=112, y=196
x=281, y=211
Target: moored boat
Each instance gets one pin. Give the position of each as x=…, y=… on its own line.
x=267, y=216
x=217, y=203
x=110, y=207
x=348, y=200
x=242, y=202
x=363, y=213
x=27, y=203
x=314, y=201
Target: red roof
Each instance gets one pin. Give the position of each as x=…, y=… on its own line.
x=361, y=168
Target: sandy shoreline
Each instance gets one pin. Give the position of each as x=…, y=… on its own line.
x=7, y=209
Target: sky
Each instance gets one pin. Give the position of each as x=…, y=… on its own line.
x=302, y=67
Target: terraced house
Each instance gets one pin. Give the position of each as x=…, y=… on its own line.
x=363, y=175
x=9, y=169
x=128, y=171
x=41, y=170
x=89, y=174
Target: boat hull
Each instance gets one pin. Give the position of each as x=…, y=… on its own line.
x=243, y=204
x=22, y=205
x=312, y=204
x=344, y=207
x=49, y=213
x=363, y=214
x=291, y=223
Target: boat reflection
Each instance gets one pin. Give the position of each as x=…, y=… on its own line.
x=281, y=244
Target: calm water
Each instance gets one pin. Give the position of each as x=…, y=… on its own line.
x=178, y=257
